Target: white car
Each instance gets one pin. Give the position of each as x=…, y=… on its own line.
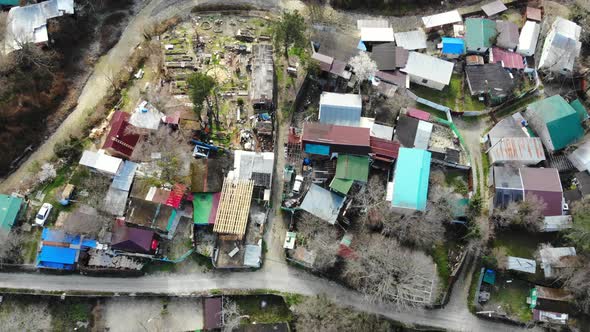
x=297, y=184
x=43, y=213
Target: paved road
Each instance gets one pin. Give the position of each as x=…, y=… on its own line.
x=275, y=274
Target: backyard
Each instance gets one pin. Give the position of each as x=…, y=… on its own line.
x=508, y=296
x=456, y=96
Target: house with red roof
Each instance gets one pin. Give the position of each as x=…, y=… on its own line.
x=120, y=141
x=507, y=59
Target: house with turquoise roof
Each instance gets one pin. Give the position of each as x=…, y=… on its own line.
x=480, y=34
x=410, y=181
x=555, y=121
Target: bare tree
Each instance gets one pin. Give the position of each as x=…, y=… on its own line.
x=318, y=313
x=364, y=67
x=231, y=315
x=325, y=247
x=527, y=214
x=46, y=173
x=9, y=243
x=387, y=272
x=580, y=233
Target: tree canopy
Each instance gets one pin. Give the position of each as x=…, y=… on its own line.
x=580, y=233
x=290, y=31
x=200, y=87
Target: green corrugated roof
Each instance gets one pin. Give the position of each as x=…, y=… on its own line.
x=9, y=2
x=352, y=168
x=580, y=109
x=202, y=206
x=341, y=185
x=562, y=121
x=479, y=33
x=9, y=208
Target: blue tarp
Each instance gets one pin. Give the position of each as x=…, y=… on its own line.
x=52, y=235
x=323, y=150
x=361, y=46
x=89, y=243
x=453, y=46
x=57, y=255
x=124, y=178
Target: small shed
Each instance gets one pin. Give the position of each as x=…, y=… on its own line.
x=322, y=203
x=213, y=313
x=205, y=207
x=453, y=47
x=508, y=60
x=442, y=19
x=377, y=35
x=348, y=170
x=522, y=264
x=146, y=116
x=534, y=14
x=494, y=8
x=101, y=162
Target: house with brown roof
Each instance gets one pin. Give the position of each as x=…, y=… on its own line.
x=131, y=239
x=544, y=183
x=213, y=313
x=121, y=140
x=325, y=139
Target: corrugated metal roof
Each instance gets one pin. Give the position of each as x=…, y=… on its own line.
x=557, y=223
x=342, y=109
x=580, y=158
x=252, y=255
x=59, y=255
x=429, y=67
x=412, y=171
x=331, y=134
x=411, y=40
x=522, y=264
x=562, y=46
x=479, y=33
x=580, y=109
x=453, y=45
x=101, y=162
x=382, y=131
x=384, y=148
x=494, y=8
x=527, y=150
x=445, y=18
x=540, y=179
x=352, y=168
x=533, y=14
x=423, y=133
x=507, y=59
x=322, y=203
x=507, y=34
x=529, y=36
x=9, y=208
x=124, y=178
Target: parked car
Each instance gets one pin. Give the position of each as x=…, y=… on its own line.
x=43, y=214
x=298, y=183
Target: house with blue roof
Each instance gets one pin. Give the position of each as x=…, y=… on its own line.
x=60, y=251
x=453, y=47
x=410, y=180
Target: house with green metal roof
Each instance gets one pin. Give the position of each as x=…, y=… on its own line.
x=410, y=179
x=348, y=170
x=580, y=109
x=555, y=121
x=9, y=209
x=480, y=34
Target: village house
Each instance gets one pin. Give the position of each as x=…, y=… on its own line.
x=529, y=36
x=555, y=121
x=428, y=71
x=480, y=34
x=10, y=206
x=61, y=251
x=411, y=40
x=507, y=35
x=121, y=140
x=336, y=73
x=28, y=24
x=340, y=109
x=490, y=81
x=517, y=151
x=349, y=169
x=132, y=239
x=544, y=183
x=412, y=132
x=453, y=48
x=561, y=48
x=321, y=139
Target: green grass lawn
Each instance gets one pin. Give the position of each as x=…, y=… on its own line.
x=520, y=243
x=452, y=96
x=512, y=299
x=30, y=246
x=441, y=258
x=275, y=311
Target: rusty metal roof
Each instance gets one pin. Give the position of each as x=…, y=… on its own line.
x=527, y=150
